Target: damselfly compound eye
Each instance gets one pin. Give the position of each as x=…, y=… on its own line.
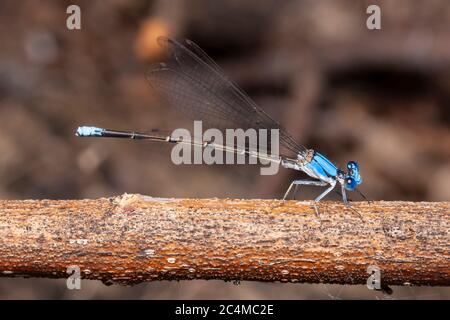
x=352, y=165
x=350, y=184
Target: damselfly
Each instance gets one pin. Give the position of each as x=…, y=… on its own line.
x=195, y=85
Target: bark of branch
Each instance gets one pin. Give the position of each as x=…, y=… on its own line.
x=132, y=238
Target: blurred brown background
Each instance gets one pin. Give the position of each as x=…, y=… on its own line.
x=379, y=97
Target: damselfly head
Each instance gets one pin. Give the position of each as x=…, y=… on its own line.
x=352, y=177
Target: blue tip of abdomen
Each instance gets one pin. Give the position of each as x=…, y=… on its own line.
x=86, y=131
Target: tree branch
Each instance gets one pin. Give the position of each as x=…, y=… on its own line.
x=132, y=238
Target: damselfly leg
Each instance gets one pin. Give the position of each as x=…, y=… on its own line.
x=327, y=191
x=318, y=183
x=344, y=194
x=364, y=197
x=295, y=191
x=347, y=202
x=296, y=183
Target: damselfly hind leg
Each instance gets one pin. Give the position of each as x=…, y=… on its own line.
x=327, y=191
x=318, y=183
x=320, y=197
x=288, y=190
x=316, y=210
x=295, y=191
x=296, y=183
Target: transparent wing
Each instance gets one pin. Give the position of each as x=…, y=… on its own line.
x=194, y=84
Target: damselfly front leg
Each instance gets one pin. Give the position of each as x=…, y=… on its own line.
x=344, y=194
x=346, y=201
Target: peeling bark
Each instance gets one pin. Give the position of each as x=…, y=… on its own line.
x=132, y=238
